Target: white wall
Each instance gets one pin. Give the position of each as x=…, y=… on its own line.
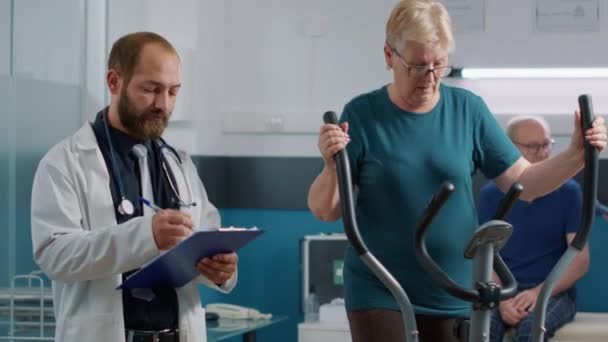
x=511, y=38
x=259, y=74
x=182, y=22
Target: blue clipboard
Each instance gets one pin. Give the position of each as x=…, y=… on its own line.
x=176, y=267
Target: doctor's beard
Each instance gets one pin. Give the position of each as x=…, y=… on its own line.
x=143, y=125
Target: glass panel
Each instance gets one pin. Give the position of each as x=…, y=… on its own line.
x=49, y=52
x=6, y=113
x=41, y=81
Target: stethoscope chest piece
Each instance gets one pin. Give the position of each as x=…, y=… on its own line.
x=126, y=207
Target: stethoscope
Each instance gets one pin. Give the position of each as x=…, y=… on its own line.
x=125, y=207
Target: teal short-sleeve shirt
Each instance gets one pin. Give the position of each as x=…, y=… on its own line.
x=398, y=161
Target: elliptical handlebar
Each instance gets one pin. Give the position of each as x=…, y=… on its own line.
x=352, y=232
x=508, y=201
x=346, y=193
x=439, y=276
x=509, y=283
x=424, y=259
x=590, y=175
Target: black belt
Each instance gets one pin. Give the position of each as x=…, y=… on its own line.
x=167, y=335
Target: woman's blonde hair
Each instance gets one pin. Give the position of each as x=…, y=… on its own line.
x=422, y=21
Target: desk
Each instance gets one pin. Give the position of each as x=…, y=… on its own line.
x=324, y=332
x=225, y=328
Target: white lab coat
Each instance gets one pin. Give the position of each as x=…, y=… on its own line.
x=79, y=245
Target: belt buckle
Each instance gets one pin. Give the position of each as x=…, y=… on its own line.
x=156, y=333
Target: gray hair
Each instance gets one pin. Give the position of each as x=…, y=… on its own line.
x=515, y=121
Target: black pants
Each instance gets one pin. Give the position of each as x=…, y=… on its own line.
x=384, y=325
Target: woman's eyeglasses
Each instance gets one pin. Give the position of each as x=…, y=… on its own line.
x=419, y=71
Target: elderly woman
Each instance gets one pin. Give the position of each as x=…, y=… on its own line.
x=404, y=140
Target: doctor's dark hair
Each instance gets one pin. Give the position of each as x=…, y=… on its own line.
x=125, y=52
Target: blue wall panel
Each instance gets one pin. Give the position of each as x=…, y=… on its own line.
x=592, y=287
x=269, y=271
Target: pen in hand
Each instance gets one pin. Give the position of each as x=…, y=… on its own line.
x=170, y=227
x=150, y=205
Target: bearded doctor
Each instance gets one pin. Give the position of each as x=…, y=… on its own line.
x=89, y=228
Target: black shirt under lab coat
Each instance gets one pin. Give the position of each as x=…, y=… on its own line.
x=162, y=312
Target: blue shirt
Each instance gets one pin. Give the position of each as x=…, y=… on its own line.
x=539, y=229
x=398, y=161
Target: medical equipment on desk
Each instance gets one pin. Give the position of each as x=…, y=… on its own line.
x=321, y=265
x=126, y=207
x=26, y=309
x=333, y=312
